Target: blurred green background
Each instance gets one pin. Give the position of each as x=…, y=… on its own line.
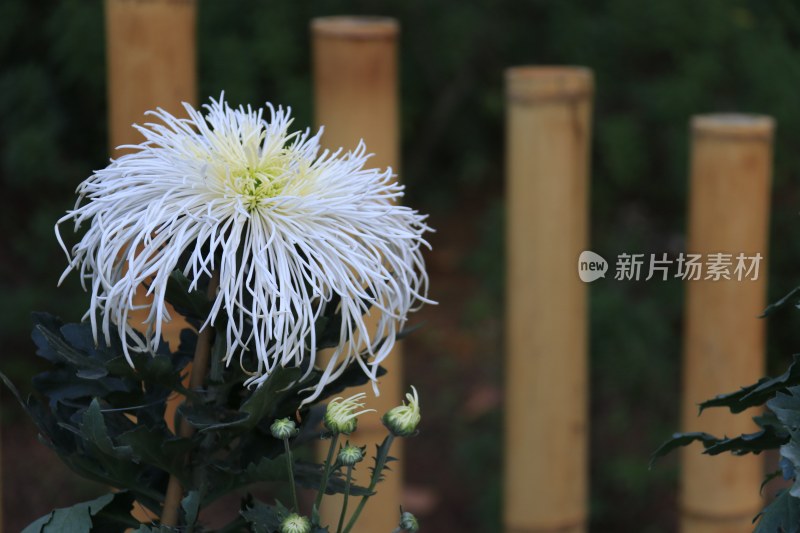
x=656, y=64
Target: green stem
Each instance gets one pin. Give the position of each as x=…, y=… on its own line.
x=291, y=474
x=346, y=496
x=197, y=376
x=376, y=476
x=326, y=474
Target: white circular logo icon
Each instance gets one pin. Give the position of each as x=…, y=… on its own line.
x=591, y=266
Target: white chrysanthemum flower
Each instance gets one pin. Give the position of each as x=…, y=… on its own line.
x=286, y=227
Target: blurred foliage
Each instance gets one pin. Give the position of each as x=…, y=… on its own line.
x=656, y=64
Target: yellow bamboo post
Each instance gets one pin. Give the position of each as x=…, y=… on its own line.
x=356, y=97
x=150, y=55
x=731, y=167
x=548, y=138
x=150, y=46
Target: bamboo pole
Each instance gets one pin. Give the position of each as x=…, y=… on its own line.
x=548, y=138
x=731, y=167
x=150, y=55
x=356, y=97
x=150, y=46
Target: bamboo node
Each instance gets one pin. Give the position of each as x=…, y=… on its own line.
x=356, y=27
x=734, y=126
x=535, y=84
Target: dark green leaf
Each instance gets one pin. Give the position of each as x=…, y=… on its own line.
x=353, y=376
x=93, y=429
x=156, y=448
x=62, y=384
x=310, y=428
x=682, y=439
x=263, y=518
x=116, y=516
x=144, y=528
x=781, y=516
x=13, y=389
x=758, y=393
x=264, y=400
x=92, y=373
x=787, y=468
x=218, y=353
x=382, y=458
x=154, y=370
x=769, y=477
x=786, y=406
x=191, y=506
x=793, y=297
x=791, y=452
x=766, y=439
x=769, y=419
x=52, y=346
x=191, y=304
x=309, y=475
x=210, y=417
x=267, y=470
x=405, y=332
x=48, y=322
x=75, y=519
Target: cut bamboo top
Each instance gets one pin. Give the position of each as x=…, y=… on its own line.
x=734, y=126
x=545, y=83
x=353, y=27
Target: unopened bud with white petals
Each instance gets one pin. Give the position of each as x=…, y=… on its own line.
x=341, y=413
x=403, y=420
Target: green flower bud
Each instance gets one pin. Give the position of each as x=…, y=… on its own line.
x=340, y=416
x=408, y=522
x=295, y=523
x=403, y=420
x=350, y=455
x=283, y=429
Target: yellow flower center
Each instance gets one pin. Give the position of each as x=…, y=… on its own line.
x=256, y=184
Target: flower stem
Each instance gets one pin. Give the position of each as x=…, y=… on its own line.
x=291, y=474
x=380, y=462
x=346, y=496
x=328, y=468
x=197, y=376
